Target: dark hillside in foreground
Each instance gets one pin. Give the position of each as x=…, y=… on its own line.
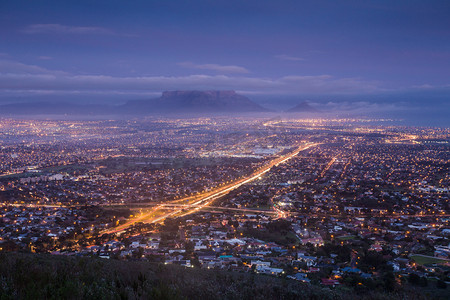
x=42, y=276
x=34, y=276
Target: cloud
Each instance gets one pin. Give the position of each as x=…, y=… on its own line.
x=362, y=107
x=16, y=77
x=64, y=29
x=215, y=67
x=14, y=68
x=424, y=86
x=328, y=84
x=109, y=92
x=427, y=86
x=288, y=57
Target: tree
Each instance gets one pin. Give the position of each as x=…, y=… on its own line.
x=126, y=243
x=440, y=284
x=189, y=247
x=423, y=281
x=414, y=279
x=389, y=281
x=171, y=224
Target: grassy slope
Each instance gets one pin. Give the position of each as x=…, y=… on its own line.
x=426, y=260
x=33, y=276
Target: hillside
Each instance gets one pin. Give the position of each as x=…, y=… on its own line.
x=43, y=276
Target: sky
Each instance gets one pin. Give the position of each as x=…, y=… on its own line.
x=120, y=50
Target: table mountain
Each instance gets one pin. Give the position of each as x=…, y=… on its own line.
x=194, y=102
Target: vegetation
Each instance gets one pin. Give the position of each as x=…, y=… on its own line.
x=426, y=260
x=33, y=276
x=278, y=231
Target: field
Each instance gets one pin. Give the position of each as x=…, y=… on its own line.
x=427, y=260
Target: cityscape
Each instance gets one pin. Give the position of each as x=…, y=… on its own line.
x=342, y=202
x=224, y=150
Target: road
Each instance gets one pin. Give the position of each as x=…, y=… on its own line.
x=327, y=167
x=193, y=204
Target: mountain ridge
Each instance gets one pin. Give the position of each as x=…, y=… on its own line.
x=170, y=102
x=197, y=102
x=303, y=107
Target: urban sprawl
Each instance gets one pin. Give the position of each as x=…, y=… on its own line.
x=332, y=202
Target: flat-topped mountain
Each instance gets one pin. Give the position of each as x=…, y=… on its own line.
x=195, y=102
x=171, y=102
x=303, y=107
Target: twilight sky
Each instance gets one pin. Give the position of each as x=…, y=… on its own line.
x=136, y=49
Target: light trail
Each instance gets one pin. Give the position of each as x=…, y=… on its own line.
x=34, y=205
x=222, y=208
x=328, y=166
x=198, y=202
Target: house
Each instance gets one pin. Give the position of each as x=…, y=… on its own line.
x=300, y=277
x=329, y=282
x=351, y=270
x=267, y=270
x=309, y=260
x=260, y=263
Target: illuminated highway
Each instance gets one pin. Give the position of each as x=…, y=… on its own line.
x=328, y=166
x=34, y=205
x=193, y=204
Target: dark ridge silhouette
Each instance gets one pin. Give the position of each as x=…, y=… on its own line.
x=303, y=107
x=194, y=102
x=172, y=102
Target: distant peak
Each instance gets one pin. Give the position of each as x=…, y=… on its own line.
x=196, y=92
x=303, y=107
x=195, y=101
